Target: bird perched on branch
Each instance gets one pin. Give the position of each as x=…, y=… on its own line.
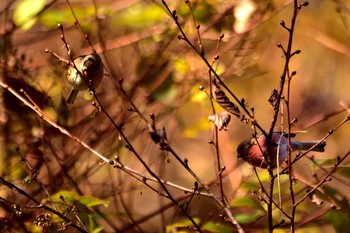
x=86, y=72
x=255, y=150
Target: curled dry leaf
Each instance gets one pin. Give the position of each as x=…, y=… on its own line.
x=274, y=98
x=152, y=130
x=315, y=199
x=221, y=98
x=221, y=120
x=158, y=136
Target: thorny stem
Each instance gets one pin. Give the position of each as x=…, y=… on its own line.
x=285, y=75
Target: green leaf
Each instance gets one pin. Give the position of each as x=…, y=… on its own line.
x=68, y=196
x=24, y=14
x=326, y=162
x=216, y=228
x=345, y=171
x=181, y=224
x=72, y=203
x=203, y=11
x=140, y=16
x=247, y=201
x=340, y=221
x=249, y=186
x=338, y=197
x=72, y=198
x=96, y=230
x=92, y=201
x=248, y=218
x=51, y=17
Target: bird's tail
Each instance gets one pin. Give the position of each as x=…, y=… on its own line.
x=72, y=96
x=308, y=145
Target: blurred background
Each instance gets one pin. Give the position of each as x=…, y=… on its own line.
x=138, y=42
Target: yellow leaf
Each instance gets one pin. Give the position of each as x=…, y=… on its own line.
x=25, y=12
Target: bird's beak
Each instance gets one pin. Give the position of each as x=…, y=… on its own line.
x=84, y=71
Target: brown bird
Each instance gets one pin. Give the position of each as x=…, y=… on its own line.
x=86, y=74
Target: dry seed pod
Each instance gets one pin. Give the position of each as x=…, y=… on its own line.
x=221, y=98
x=221, y=120
x=274, y=98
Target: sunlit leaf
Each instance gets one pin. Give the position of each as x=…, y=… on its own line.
x=247, y=201
x=249, y=186
x=25, y=12
x=193, y=130
x=199, y=96
x=50, y=18
x=263, y=175
x=248, y=218
x=202, y=10
x=219, y=68
x=97, y=229
x=68, y=196
x=72, y=198
x=94, y=228
x=140, y=16
x=93, y=201
x=181, y=65
x=216, y=228
x=51, y=113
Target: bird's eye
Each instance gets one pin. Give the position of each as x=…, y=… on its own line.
x=89, y=63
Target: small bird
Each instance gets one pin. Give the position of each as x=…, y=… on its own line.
x=254, y=150
x=86, y=74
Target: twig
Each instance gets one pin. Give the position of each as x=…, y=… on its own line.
x=184, y=37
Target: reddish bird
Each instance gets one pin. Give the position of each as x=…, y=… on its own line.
x=253, y=150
